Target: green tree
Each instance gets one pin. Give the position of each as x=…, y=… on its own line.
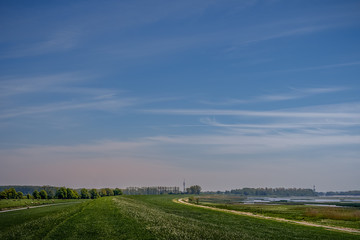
x=61, y=193
x=196, y=189
x=36, y=194
x=102, y=192
x=19, y=195
x=117, y=192
x=84, y=193
x=72, y=194
x=11, y=193
x=3, y=195
x=50, y=193
x=94, y=194
x=28, y=196
x=43, y=194
x=109, y=192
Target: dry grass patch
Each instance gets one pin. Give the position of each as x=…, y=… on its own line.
x=334, y=213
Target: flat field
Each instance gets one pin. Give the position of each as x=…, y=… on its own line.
x=147, y=217
x=348, y=217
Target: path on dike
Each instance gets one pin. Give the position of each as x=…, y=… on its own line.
x=44, y=205
x=342, y=229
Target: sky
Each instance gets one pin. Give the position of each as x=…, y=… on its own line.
x=223, y=94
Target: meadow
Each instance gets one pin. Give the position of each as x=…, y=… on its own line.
x=325, y=215
x=147, y=217
x=6, y=204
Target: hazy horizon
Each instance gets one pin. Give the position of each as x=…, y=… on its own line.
x=226, y=94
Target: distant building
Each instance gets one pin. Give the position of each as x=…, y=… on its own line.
x=151, y=190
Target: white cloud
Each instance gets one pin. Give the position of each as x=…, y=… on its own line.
x=295, y=93
x=100, y=105
x=14, y=85
x=274, y=114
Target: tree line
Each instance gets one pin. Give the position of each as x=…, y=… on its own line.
x=284, y=192
x=61, y=193
x=30, y=189
x=351, y=193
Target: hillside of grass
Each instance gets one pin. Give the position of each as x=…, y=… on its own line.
x=147, y=217
x=6, y=204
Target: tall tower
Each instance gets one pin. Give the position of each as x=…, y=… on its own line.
x=314, y=188
x=184, y=185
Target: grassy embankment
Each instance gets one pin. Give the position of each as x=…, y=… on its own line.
x=6, y=204
x=332, y=216
x=147, y=217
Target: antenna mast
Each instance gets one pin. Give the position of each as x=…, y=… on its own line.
x=184, y=185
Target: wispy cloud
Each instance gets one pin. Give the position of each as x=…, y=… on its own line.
x=289, y=33
x=298, y=126
x=328, y=66
x=61, y=82
x=94, y=147
x=101, y=105
x=295, y=93
x=169, y=45
x=59, y=41
x=245, y=144
x=288, y=114
x=69, y=90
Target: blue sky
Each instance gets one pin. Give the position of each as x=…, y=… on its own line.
x=226, y=94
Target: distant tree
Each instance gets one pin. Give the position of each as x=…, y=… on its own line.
x=196, y=189
x=84, y=193
x=72, y=194
x=3, y=195
x=109, y=192
x=49, y=190
x=117, y=192
x=102, y=192
x=50, y=193
x=36, y=194
x=28, y=196
x=94, y=194
x=69, y=193
x=61, y=193
x=19, y=195
x=43, y=194
x=77, y=196
x=353, y=193
x=11, y=193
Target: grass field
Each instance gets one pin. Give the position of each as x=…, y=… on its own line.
x=146, y=217
x=332, y=216
x=18, y=203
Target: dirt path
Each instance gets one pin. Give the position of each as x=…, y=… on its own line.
x=342, y=229
x=45, y=205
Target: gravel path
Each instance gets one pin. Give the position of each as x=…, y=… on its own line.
x=342, y=229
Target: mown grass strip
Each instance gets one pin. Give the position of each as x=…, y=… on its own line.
x=8, y=204
x=46, y=205
x=34, y=223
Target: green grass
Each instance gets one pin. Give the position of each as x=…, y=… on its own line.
x=18, y=203
x=36, y=222
x=334, y=216
x=147, y=217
